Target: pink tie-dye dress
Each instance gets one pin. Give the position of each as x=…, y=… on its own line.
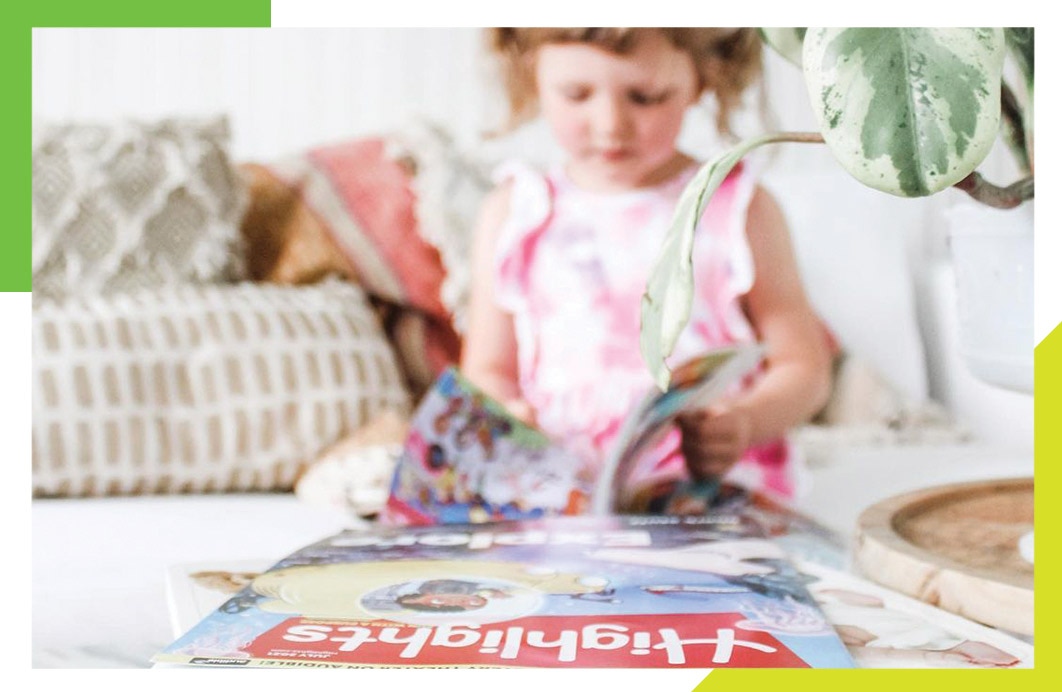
x=571, y=267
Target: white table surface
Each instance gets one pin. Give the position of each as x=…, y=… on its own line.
x=99, y=565
x=841, y=490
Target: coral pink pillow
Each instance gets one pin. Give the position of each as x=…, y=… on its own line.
x=349, y=210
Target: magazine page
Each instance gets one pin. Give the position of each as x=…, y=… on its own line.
x=694, y=385
x=467, y=459
x=639, y=592
x=886, y=629
x=194, y=590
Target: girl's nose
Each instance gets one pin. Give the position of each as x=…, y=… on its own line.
x=612, y=116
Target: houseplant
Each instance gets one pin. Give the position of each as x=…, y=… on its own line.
x=907, y=111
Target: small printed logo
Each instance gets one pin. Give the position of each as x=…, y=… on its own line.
x=219, y=661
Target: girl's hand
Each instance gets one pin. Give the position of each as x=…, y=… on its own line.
x=520, y=409
x=714, y=440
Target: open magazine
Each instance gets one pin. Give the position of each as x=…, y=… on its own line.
x=467, y=459
x=639, y=592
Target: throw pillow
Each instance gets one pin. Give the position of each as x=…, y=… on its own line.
x=865, y=410
x=349, y=209
x=450, y=186
x=203, y=388
x=354, y=475
x=133, y=205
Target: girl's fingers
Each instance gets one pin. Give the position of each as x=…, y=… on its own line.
x=715, y=441
x=712, y=441
x=692, y=421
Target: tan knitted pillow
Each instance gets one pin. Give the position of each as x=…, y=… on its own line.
x=202, y=388
x=131, y=205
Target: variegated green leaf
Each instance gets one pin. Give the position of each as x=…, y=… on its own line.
x=669, y=291
x=787, y=42
x=906, y=111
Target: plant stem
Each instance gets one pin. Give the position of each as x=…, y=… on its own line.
x=994, y=196
x=1014, y=126
x=799, y=137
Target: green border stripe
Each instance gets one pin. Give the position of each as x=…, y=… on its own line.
x=17, y=54
x=187, y=13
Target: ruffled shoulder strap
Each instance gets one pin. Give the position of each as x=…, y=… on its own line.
x=530, y=209
x=723, y=230
x=723, y=268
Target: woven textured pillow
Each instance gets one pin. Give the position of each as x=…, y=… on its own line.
x=133, y=205
x=203, y=388
x=350, y=210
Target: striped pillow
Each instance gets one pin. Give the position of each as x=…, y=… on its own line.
x=203, y=388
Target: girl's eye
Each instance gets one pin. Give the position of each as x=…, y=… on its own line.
x=645, y=98
x=576, y=93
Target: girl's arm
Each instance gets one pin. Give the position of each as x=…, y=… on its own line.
x=488, y=357
x=796, y=381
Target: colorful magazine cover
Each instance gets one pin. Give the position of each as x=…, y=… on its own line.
x=636, y=591
x=466, y=459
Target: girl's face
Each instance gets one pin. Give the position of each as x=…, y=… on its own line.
x=617, y=116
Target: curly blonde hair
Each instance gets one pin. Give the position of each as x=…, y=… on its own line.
x=727, y=60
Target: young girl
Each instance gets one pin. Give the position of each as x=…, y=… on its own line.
x=562, y=258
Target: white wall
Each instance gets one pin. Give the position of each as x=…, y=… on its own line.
x=284, y=89
x=288, y=89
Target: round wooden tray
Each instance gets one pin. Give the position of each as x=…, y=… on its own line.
x=956, y=547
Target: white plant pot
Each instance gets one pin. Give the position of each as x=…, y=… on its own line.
x=993, y=254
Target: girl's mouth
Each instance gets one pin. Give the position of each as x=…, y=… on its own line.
x=615, y=154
